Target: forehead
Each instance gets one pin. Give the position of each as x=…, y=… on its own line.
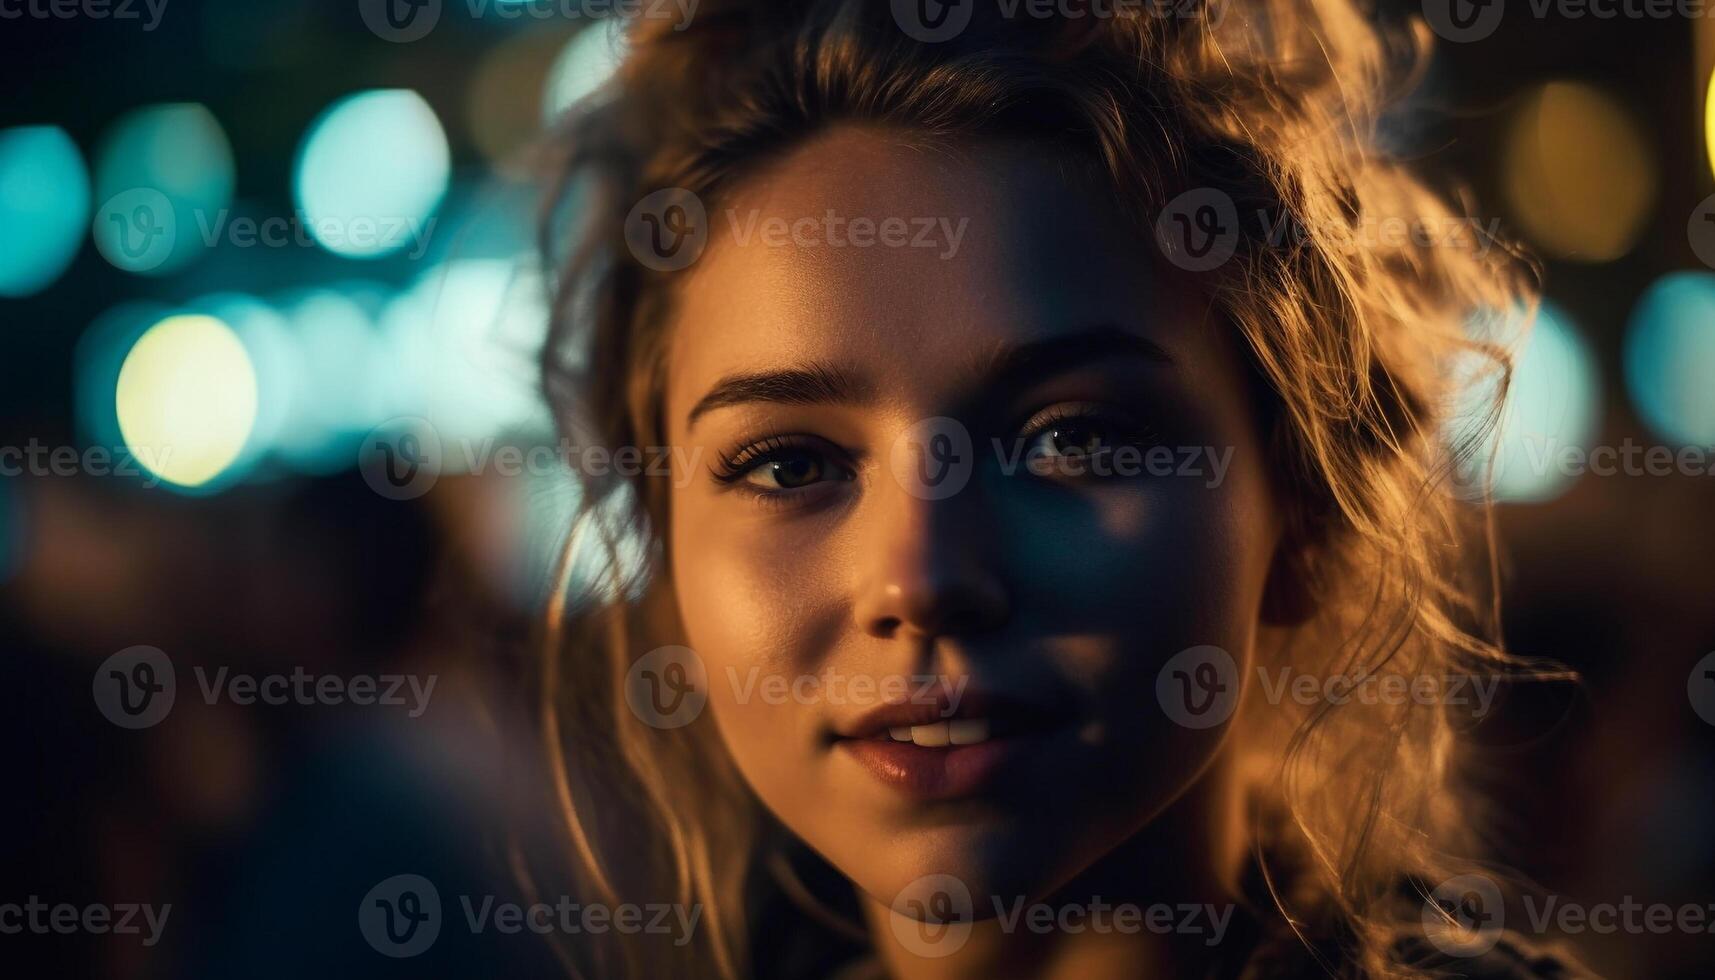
x=911, y=262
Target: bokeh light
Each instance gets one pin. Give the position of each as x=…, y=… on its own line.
x=336, y=397
x=462, y=344
x=1574, y=201
x=1670, y=358
x=1709, y=120
x=371, y=171
x=587, y=62
x=99, y=355
x=1550, y=410
x=274, y=356
x=186, y=399
x=44, y=207
x=163, y=175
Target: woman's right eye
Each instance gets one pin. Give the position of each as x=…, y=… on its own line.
x=790, y=471
x=782, y=466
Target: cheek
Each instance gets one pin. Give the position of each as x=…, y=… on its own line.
x=1121, y=578
x=1166, y=558
x=757, y=605
x=751, y=591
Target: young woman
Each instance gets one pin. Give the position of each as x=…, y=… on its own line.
x=1040, y=414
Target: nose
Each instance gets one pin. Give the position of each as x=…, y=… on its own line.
x=931, y=570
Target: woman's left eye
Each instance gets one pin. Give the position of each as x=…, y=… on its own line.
x=1076, y=437
x=1084, y=441
x=1079, y=432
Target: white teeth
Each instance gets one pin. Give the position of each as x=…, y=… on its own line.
x=968, y=731
x=932, y=736
x=940, y=734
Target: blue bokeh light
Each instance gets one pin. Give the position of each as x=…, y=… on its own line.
x=586, y=64
x=1549, y=414
x=371, y=172
x=1670, y=358
x=164, y=176
x=44, y=207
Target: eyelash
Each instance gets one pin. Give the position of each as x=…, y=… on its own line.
x=1134, y=433
x=731, y=468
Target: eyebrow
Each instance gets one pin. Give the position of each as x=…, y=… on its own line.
x=1008, y=367
x=812, y=385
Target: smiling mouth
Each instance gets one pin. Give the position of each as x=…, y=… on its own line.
x=940, y=752
x=938, y=768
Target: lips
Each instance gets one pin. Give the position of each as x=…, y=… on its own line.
x=945, y=747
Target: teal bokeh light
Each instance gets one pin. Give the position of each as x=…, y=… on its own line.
x=97, y=359
x=371, y=172
x=267, y=339
x=588, y=61
x=1549, y=414
x=1670, y=358
x=337, y=394
x=44, y=205
x=461, y=347
x=163, y=176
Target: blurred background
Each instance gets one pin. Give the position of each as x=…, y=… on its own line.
x=261, y=231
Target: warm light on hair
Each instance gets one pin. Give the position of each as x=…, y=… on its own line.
x=1274, y=104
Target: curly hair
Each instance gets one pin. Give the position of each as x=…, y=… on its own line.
x=1273, y=103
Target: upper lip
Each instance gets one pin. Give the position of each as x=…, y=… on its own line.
x=1006, y=712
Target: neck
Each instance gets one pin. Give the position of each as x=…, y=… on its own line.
x=1156, y=906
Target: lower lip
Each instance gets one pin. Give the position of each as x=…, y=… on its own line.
x=932, y=774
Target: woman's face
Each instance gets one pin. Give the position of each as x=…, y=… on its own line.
x=957, y=494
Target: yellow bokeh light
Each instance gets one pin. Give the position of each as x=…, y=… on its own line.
x=1709, y=120
x=1579, y=176
x=186, y=399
